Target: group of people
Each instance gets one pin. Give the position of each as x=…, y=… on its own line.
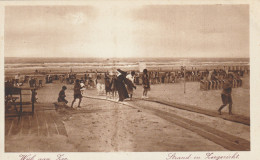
x=124, y=85
x=121, y=84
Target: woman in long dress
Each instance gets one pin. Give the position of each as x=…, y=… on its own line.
x=120, y=85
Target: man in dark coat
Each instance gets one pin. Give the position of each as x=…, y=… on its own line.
x=120, y=85
x=226, y=94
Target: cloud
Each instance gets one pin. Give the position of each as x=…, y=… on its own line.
x=127, y=31
x=193, y=30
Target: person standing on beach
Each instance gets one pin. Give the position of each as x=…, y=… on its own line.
x=130, y=84
x=62, y=95
x=226, y=94
x=107, y=85
x=113, y=86
x=99, y=84
x=82, y=86
x=17, y=79
x=120, y=85
x=77, y=93
x=145, y=83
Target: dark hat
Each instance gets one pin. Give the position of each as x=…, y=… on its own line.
x=122, y=72
x=64, y=87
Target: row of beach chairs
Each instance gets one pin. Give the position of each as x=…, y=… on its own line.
x=218, y=84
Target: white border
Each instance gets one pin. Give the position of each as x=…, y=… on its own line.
x=254, y=81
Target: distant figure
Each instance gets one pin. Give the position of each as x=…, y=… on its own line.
x=49, y=79
x=100, y=84
x=77, y=93
x=226, y=94
x=32, y=83
x=40, y=83
x=120, y=85
x=107, y=86
x=61, y=78
x=18, y=79
x=62, y=95
x=145, y=83
x=130, y=84
x=113, y=86
x=82, y=87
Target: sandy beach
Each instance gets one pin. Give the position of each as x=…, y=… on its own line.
x=104, y=126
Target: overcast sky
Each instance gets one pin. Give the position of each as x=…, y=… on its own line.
x=127, y=31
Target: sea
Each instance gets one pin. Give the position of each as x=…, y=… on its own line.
x=14, y=65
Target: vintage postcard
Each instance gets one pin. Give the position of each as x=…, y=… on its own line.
x=129, y=80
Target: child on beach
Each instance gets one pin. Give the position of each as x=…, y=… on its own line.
x=62, y=95
x=145, y=83
x=107, y=86
x=77, y=93
x=113, y=86
x=82, y=87
x=130, y=85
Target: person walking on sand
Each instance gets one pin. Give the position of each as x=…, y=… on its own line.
x=62, y=95
x=130, y=84
x=145, y=83
x=77, y=93
x=120, y=85
x=226, y=94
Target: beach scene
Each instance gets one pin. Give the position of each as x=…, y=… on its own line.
x=138, y=78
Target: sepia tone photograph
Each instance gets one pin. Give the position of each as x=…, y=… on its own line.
x=126, y=78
